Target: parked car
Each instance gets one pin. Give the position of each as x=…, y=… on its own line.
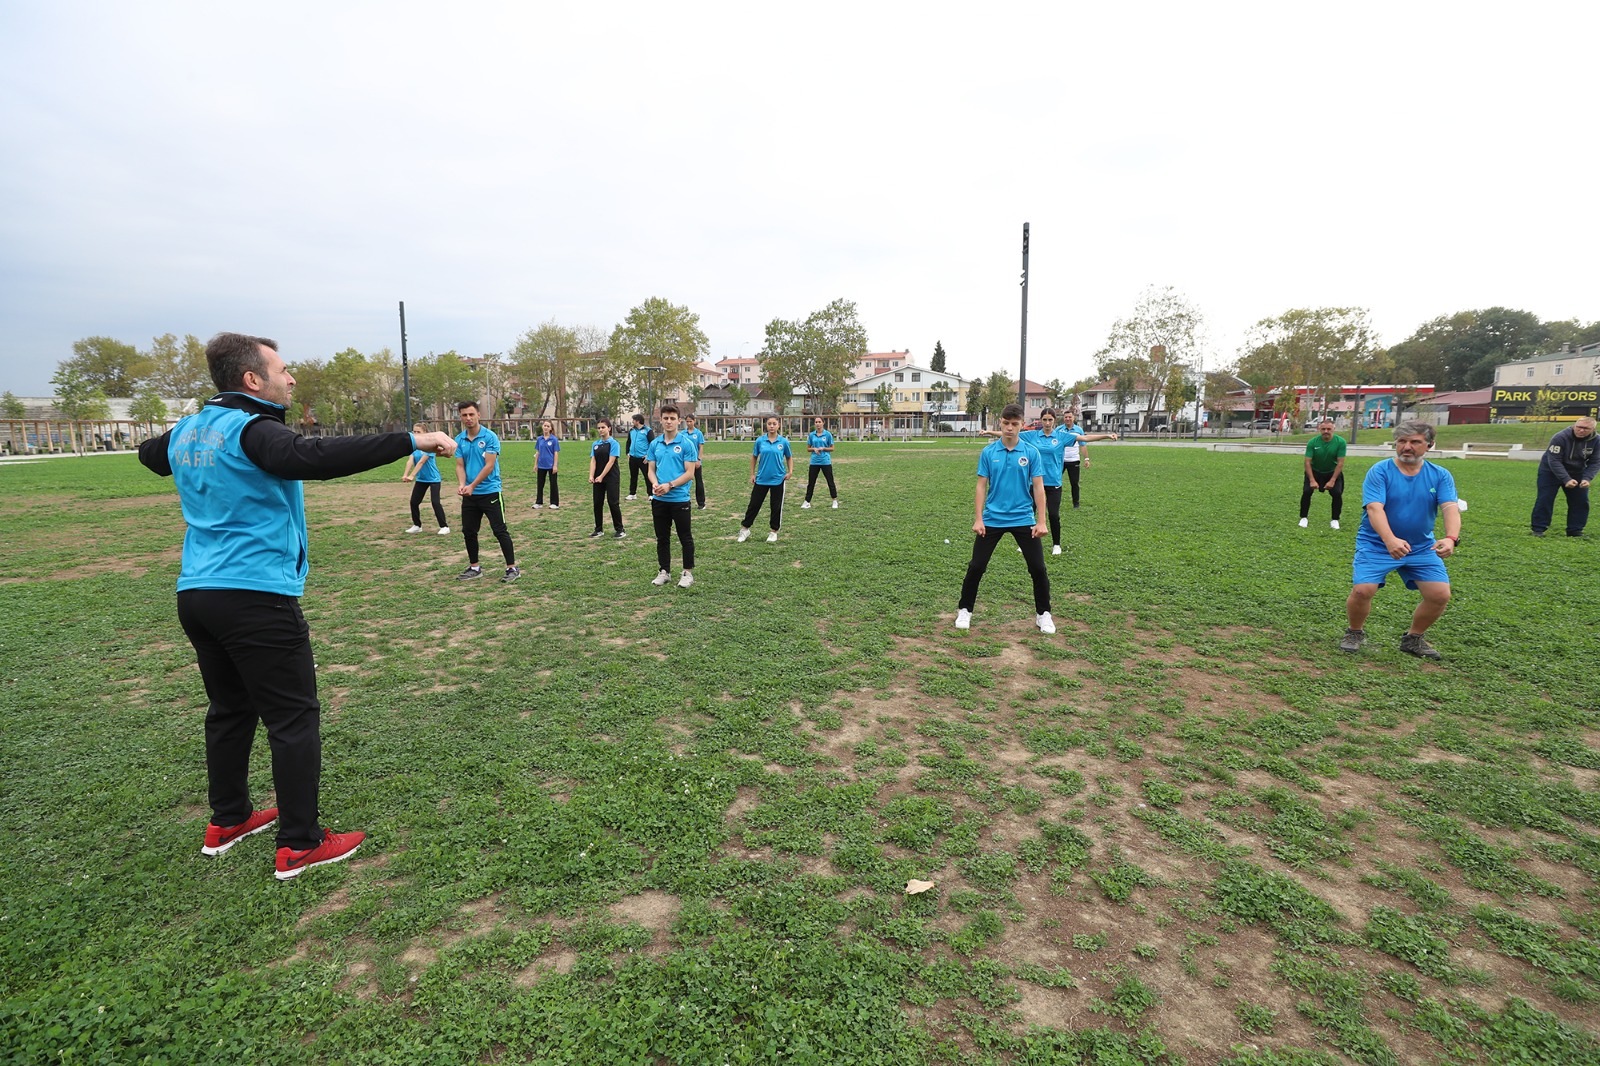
x=1261, y=423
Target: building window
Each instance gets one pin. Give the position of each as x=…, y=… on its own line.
x=1558, y=369
x=915, y=376
x=1530, y=372
x=899, y=397
x=899, y=378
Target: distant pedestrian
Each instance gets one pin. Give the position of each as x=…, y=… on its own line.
x=691, y=429
x=771, y=466
x=1569, y=464
x=639, y=438
x=1401, y=499
x=1324, y=472
x=672, y=462
x=1074, y=454
x=422, y=469
x=1009, y=499
x=606, y=479
x=478, y=485
x=547, y=462
x=820, y=444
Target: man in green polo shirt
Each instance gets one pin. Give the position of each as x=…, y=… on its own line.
x=1324, y=471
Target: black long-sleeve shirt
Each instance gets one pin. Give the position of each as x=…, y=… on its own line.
x=1570, y=457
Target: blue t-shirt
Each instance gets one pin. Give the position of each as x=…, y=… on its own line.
x=1010, y=472
x=604, y=449
x=427, y=470
x=1050, y=450
x=770, y=455
x=473, y=453
x=1411, y=504
x=696, y=436
x=820, y=440
x=639, y=442
x=545, y=449
x=672, y=458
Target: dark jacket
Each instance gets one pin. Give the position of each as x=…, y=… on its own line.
x=1567, y=457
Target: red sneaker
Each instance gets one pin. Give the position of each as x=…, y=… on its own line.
x=220, y=838
x=335, y=847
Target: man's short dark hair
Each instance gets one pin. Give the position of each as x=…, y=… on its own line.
x=1011, y=410
x=464, y=404
x=229, y=355
x=669, y=409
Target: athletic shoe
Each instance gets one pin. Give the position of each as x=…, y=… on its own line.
x=1046, y=624
x=661, y=578
x=686, y=580
x=1304, y=522
x=700, y=507
x=744, y=535
x=335, y=847
x=630, y=497
x=1413, y=644
x=597, y=533
x=963, y=618
x=1074, y=507
x=512, y=573
x=618, y=535
x=220, y=838
x=444, y=531
x=414, y=529
x=772, y=538
x=555, y=507
x=835, y=505
x=1352, y=640
x=471, y=573
x=806, y=506
x=1055, y=550
x=538, y=506
x=1334, y=523
x=1538, y=532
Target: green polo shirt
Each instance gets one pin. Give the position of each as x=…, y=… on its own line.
x=1325, y=454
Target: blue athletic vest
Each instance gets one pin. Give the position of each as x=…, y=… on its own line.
x=247, y=528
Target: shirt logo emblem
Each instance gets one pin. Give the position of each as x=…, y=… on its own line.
x=677, y=449
x=1022, y=460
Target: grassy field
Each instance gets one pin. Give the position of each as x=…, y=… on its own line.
x=611, y=823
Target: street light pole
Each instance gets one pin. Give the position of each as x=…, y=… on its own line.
x=1022, y=373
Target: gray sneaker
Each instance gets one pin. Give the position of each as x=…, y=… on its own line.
x=471, y=573
x=512, y=573
x=1353, y=639
x=1413, y=644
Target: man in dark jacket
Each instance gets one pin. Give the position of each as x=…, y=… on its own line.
x=1569, y=464
x=238, y=470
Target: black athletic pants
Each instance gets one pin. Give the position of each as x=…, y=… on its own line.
x=606, y=492
x=1308, y=490
x=811, y=480
x=254, y=650
x=700, y=484
x=636, y=467
x=758, y=493
x=418, y=490
x=1032, y=551
x=1052, y=508
x=555, y=489
x=1074, y=471
x=474, y=509
x=665, y=516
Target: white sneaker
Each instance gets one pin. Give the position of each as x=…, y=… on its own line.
x=835, y=505
x=963, y=618
x=1304, y=522
x=686, y=580
x=414, y=529
x=1055, y=550
x=632, y=497
x=744, y=535
x=1046, y=624
x=772, y=538
x=661, y=578
x=806, y=506
x=538, y=507
x=1334, y=523
x=555, y=507
x=444, y=531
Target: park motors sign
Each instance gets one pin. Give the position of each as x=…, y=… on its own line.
x=1558, y=401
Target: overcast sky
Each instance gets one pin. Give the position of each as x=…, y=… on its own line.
x=297, y=169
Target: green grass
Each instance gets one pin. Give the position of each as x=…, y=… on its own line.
x=615, y=823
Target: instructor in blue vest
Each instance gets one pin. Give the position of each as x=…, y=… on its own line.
x=238, y=469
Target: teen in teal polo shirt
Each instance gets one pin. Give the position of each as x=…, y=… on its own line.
x=771, y=466
x=423, y=471
x=1009, y=499
x=692, y=431
x=820, y=444
x=478, y=485
x=639, y=438
x=672, y=460
x=604, y=455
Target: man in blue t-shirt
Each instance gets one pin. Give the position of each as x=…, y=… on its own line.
x=478, y=485
x=691, y=429
x=672, y=460
x=639, y=438
x=238, y=469
x=1401, y=499
x=1010, y=499
x=820, y=444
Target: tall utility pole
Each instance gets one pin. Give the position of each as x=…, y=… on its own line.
x=405, y=365
x=1022, y=373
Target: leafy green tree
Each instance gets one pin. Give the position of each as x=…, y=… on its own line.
x=998, y=390
x=780, y=392
x=1321, y=347
x=1164, y=331
x=149, y=408
x=940, y=394
x=936, y=364
x=818, y=355
x=740, y=397
x=659, y=333
x=78, y=399
x=1461, y=351
x=883, y=401
x=177, y=369
x=107, y=366
x=1055, y=393
x=975, y=400
x=11, y=407
x=540, y=365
